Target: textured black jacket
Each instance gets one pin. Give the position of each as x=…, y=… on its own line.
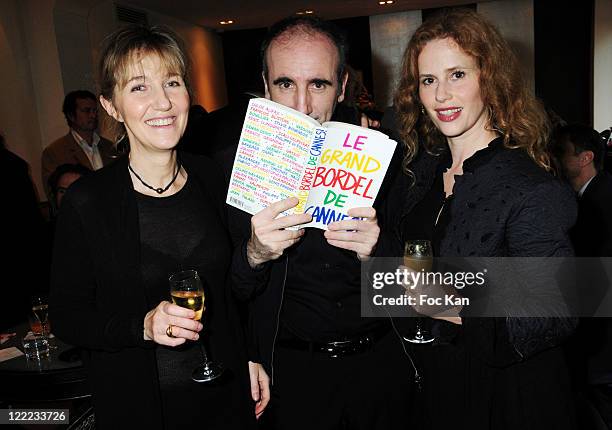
x=493, y=372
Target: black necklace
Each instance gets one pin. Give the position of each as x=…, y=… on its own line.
x=157, y=190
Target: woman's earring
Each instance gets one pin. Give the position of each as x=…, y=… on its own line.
x=422, y=110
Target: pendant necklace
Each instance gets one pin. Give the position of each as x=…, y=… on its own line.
x=157, y=190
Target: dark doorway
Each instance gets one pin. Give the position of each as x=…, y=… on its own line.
x=563, y=33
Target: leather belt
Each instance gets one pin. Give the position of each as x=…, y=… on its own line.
x=338, y=348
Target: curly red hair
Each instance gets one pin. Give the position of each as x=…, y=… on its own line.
x=513, y=110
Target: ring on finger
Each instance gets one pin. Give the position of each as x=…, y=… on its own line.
x=169, y=330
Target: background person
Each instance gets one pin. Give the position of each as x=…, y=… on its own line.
x=581, y=151
x=22, y=241
x=82, y=145
x=123, y=230
x=61, y=179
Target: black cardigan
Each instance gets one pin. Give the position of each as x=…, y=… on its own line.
x=493, y=372
x=98, y=299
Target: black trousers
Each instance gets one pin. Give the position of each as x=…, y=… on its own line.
x=370, y=390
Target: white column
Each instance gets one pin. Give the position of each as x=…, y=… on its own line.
x=514, y=20
x=389, y=36
x=602, y=65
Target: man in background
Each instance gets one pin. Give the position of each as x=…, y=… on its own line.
x=82, y=145
x=581, y=151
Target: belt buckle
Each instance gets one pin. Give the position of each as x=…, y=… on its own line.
x=335, y=349
x=339, y=349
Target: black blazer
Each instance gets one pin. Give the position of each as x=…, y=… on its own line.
x=98, y=300
x=592, y=234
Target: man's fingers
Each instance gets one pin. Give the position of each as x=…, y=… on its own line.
x=265, y=392
x=279, y=207
x=364, y=120
x=276, y=237
x=351, y=246
x=345, y=236
x=254, y=383
x=289, y=221
x=263, y=389
x=363, y=212
x=364, y=228
x=356, y=225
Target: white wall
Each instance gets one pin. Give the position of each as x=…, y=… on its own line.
x=30, y=80
x=389, y=35
x=602, y=65
x=206, y=53
x=514, y=20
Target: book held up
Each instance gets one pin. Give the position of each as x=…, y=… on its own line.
x=330, y=167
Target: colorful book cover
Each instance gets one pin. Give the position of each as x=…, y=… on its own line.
x=330, y=168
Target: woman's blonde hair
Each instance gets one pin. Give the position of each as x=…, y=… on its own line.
x=513, y=110
x=128, y=45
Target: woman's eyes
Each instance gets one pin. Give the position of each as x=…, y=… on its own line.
x=142, y=87
x=458, y=74
x=136, y=88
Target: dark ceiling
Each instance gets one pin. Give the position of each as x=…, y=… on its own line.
x=262, y=13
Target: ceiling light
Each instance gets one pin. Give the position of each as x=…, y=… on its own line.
x=229, y=21
x=308, y=12
x=305, y=12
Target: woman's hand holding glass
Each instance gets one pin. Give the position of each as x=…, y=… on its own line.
x=167, y=314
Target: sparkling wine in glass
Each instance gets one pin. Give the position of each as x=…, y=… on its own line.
x=418, y=256
x=187, y=291
x=40, y=308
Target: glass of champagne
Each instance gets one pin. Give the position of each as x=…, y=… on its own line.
x=40, y=308
x=187, y=291
x=418, y=256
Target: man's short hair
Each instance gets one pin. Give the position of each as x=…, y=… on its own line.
x=70, y=102
x=61, y=170
x=307, y=24
x=584, y=138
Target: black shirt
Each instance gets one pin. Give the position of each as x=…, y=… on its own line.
x=322, y=292
x=176, y=234
x=429, y=217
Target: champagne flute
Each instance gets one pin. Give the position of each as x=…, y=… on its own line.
x=40, y=308
x=418, y=256
x=187, y=291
